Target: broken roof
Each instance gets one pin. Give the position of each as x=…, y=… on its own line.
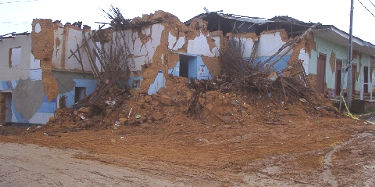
x=235, y=17
x=12, y=35
x=243, y=24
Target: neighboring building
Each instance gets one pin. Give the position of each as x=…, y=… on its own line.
x=39, y=73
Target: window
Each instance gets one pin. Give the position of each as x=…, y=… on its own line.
x=14, y=56
x=80, y=93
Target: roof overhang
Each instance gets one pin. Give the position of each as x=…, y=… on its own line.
x=335, y=35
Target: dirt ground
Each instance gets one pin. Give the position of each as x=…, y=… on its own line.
x=316, y=150
x=55, y=167
x=227, y=139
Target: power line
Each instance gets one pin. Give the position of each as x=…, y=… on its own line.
x=17, y=1
x=366, y=8
x=372, y=3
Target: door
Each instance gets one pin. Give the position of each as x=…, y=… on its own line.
x=338, y=76
x=321, y=72
x=5, y=107
x=365, y=79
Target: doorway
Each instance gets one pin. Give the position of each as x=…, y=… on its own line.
x=188, y=66
x=338, y=76
x=5, y=107
x=321, y=72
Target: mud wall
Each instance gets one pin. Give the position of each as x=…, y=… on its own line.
x=156, y=49
x=159, y=48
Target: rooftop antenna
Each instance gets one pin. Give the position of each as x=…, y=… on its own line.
x=207, y=11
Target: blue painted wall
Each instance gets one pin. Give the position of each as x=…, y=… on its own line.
x=280, y=65
x=90, y=86
x=202, y=70
x=192, y=67
x=134, y=78
x=196, y=69
x=175, y=71
x=47, y=108
x=159, y=82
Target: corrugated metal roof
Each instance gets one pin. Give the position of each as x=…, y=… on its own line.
x=12, y=35
x=255, y=20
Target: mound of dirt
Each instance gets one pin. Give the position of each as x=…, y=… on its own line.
x=172, y=105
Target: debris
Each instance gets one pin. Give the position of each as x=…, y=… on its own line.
x=117, y=123
x=370, y=122
x=203, y=140
x=156, y=116
x=110, y=103
x=138, y=116
x=303, y=100
x=83, y=110
x=165, y=100
x=148, y=99
x=122, y=120
x=82, y=116
x=130, y=112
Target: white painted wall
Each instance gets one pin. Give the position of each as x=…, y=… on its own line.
x=305, y=58
x=247, y=46
x=199, y=46
x=143, y=53
x=174, y=43
x=73, y=37
x=17, y=71
x=269, y=44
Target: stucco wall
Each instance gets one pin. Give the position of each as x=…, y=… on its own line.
x=32, y=81
x=19, y=71
x=329, y=48
x=67, y=39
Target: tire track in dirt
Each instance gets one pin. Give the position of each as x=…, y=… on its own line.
x=327, y=175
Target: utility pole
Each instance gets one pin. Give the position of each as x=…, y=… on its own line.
x=350, y=52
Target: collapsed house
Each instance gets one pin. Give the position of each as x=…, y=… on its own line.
x=55, y=66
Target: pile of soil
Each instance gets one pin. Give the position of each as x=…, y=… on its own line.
x=171, y=106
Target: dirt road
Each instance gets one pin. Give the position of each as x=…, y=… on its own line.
x=348, y=163
x=31, y=165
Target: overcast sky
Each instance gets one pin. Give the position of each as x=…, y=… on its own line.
x=17, y=15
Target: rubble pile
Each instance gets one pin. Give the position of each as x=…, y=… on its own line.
x=174, y=105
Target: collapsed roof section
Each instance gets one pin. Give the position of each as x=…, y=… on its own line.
x=230, y=23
